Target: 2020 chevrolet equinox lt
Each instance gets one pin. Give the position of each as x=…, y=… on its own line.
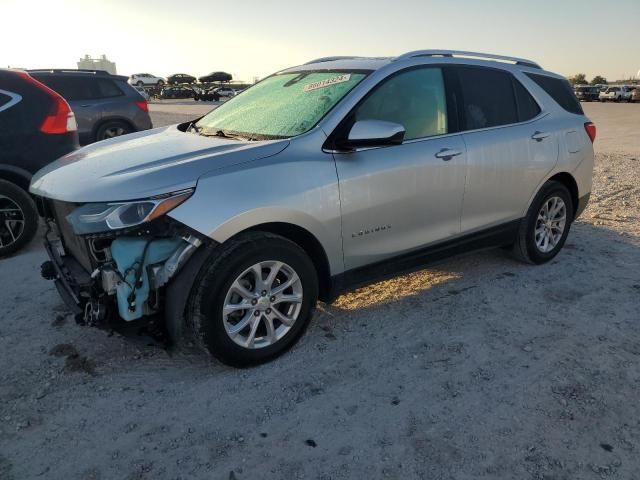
x=318, y=178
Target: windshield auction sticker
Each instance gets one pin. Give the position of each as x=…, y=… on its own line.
x=327, y=83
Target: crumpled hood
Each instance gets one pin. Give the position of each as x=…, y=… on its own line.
x=143, y=164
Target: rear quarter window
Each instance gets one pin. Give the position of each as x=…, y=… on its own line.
x=560, y=90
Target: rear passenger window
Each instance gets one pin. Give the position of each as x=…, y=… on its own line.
x=527, y=106
x=487, y=97
x=560, y=90
x=414, y=98
x=104, y=88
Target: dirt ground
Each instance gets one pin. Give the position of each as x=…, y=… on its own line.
x=480, y=367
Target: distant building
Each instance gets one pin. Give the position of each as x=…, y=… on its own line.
x=101, y=63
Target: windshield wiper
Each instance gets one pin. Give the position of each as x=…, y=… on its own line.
x=223, y=134
x=194, y=128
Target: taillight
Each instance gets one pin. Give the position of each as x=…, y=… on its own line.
x=142, y=105
x=60, y=118
x=591, y=130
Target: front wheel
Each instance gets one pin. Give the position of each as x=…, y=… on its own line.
x=18, y=218
x=253, y=299
x=544, y=230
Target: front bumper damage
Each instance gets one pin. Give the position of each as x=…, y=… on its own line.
x=121, y=276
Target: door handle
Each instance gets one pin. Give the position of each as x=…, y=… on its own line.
x=539, y=136
x=447, y=154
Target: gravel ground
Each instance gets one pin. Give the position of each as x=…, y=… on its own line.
x=478, y=368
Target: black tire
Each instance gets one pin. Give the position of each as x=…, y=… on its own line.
x=525, y=248
x=112, y=129
x=13, y=195
x=204, y=308
x=140, y=83
x=160, y=83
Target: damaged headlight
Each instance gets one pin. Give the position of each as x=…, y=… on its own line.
x=102, y=217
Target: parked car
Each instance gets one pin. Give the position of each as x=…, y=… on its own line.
x=318, y=178
x=216, y=77
x=36, y=127
x=145, y=79
x=176, y=92
x=177, y=78
x=105, y=105
x=226, y=92
x=206, y=95
x=587, y=93
x=615, y=93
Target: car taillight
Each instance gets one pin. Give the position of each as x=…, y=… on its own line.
x=591, y=130
x=142, y=105
x=60, y=118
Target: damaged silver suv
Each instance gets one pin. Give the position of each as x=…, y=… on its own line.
x=318, y=178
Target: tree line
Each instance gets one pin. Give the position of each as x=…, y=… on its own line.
x=581, y=79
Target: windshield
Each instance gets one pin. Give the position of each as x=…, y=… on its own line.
x=280, y=106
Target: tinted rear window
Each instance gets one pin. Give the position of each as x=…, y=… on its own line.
x=488, y=97
x=560, y=90
x=81, y=88
x=528, y=108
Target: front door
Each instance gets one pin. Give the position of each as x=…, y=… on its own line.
x=399, y=198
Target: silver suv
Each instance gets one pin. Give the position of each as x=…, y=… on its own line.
x=320, y=177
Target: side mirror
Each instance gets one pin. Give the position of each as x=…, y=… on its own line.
x=374, y=133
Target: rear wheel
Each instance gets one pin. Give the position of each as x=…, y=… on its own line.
x=18, y=218
x=140, y=83
x=545, y=228
x=253, y=299
x=112, y=129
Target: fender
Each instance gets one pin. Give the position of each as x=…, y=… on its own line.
x=292, y=187
x=17, y=175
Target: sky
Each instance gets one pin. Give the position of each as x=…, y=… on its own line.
x=252, y=38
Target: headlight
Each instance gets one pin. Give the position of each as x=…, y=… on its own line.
x=102, y=217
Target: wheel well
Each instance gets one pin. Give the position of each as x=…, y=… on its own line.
x=112, y=119
x=16, y=179
x=568, y=181
x=310, y=244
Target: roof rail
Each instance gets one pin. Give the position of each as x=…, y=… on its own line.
x=330, y=59
x=458, y=53
x=69, y=70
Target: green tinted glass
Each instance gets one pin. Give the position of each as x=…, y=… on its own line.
x=282, y=105
x=414, y=99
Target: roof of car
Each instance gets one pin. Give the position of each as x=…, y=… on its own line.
x=375, y=63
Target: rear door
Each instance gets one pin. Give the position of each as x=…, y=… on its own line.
x=509, y=147
x=399, y=198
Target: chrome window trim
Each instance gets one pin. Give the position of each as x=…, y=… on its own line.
x=540, y=116
x=14, y=99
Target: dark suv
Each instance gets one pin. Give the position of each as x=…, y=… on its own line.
x=36, y=127
x=105, y=105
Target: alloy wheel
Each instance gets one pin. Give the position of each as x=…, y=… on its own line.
x=262, y=304
x=113, y=132
x=11, y=221
x=550, y=224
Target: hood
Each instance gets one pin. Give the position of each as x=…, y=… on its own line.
x=143, y=164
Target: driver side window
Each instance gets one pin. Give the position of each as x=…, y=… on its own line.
x=414, y=98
